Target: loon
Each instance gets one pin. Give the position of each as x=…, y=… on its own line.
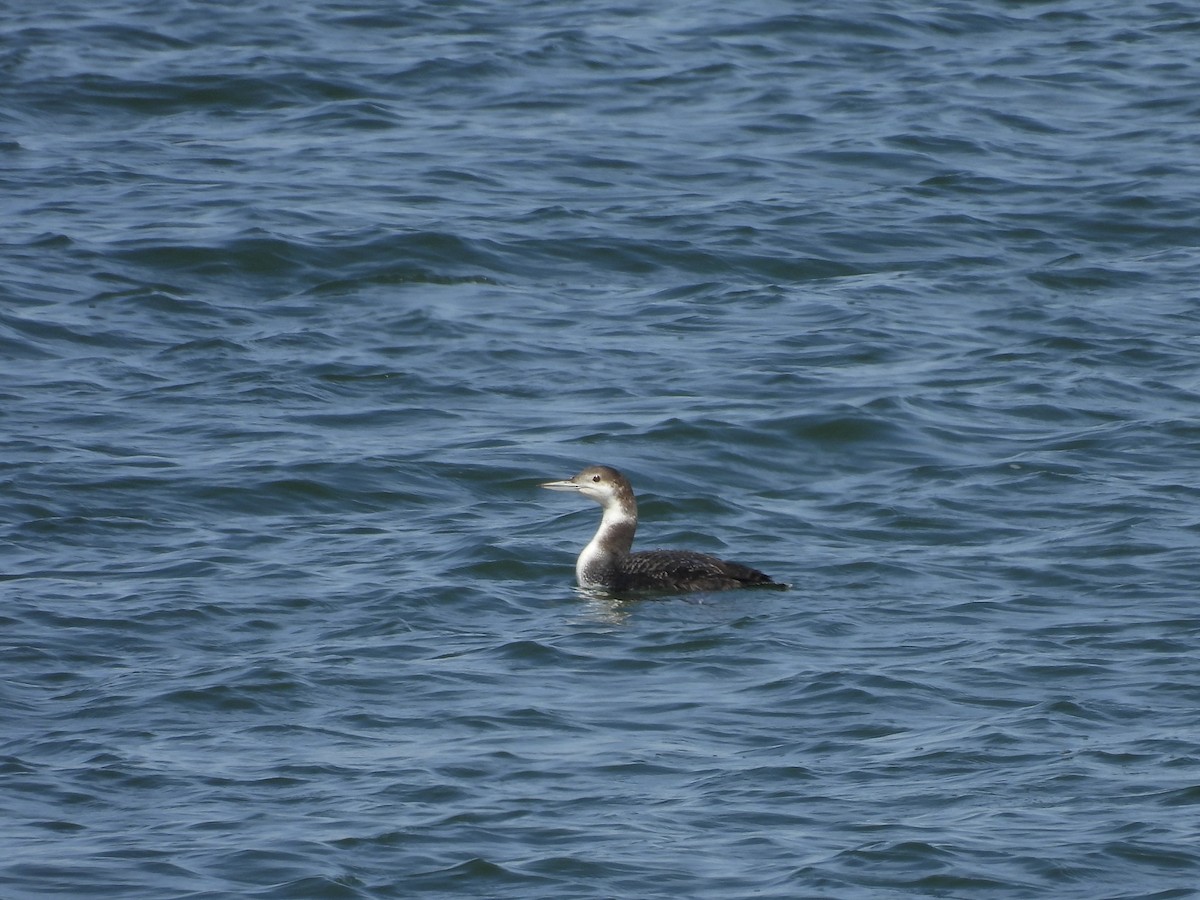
x=606, y=563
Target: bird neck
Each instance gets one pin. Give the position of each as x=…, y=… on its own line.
x=611, y=544
x=617, y=527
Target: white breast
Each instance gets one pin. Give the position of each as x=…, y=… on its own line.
x=588, y=559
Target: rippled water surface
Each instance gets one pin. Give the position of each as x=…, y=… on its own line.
x=896, y=301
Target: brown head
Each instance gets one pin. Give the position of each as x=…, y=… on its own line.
x=605, y=485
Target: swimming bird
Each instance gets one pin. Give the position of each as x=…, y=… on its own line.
x=606, y=563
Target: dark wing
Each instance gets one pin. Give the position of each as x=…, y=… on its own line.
x=684, y=570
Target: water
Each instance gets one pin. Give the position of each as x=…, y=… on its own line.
x=894, y=301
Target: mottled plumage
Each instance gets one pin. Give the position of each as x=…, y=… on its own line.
x=606, y=563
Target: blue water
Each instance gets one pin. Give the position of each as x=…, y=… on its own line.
x=897, y=302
